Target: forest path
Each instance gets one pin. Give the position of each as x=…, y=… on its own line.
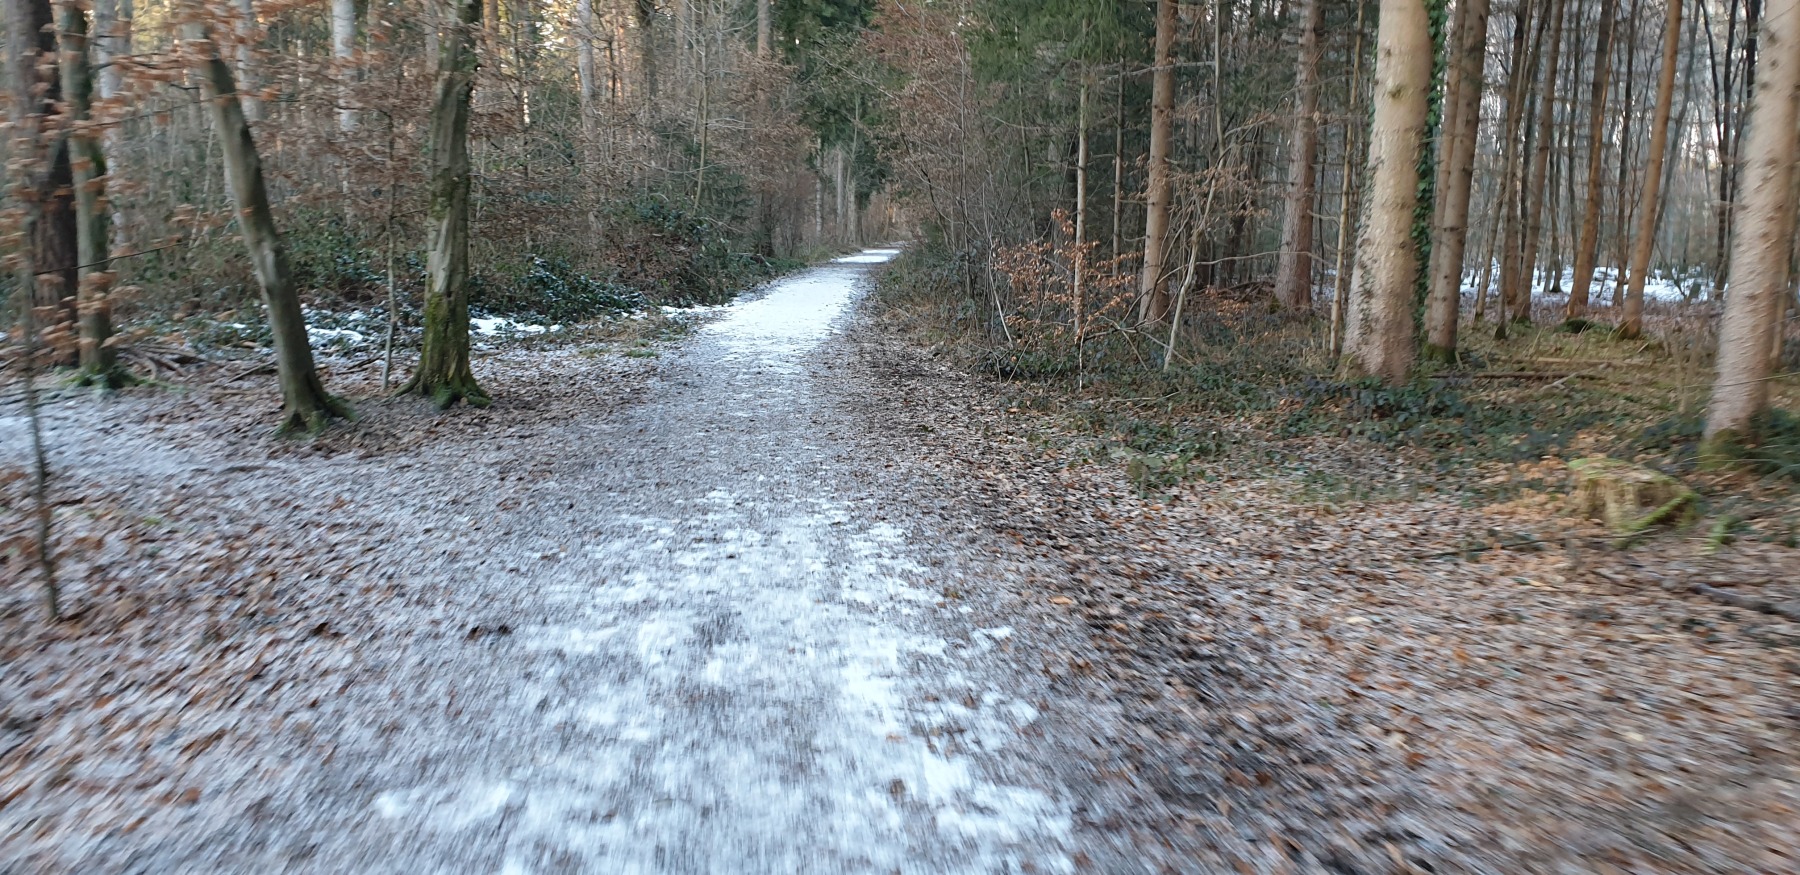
x=717, y=638
x=713, y=641
x=706, y=613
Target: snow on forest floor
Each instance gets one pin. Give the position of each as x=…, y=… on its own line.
x=790, y=598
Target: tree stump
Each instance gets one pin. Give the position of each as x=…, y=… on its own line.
x=1628, y=498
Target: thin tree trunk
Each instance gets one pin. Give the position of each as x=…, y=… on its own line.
x=443, y=374
x=763, y=28
x=99, y=362
x=1340, y=281
x=1763, y=242
x=1517, y=294
x=1154, y=295
x=1293, y=272
x=646, y=17
x=1509, y=198
x=343, y=44
x=1444, y=300
x=1587, y=246
x=1118, y=203
x=305, y=405
x=247, y=81
x=1649, y=200
x=1379, y=327
x=48, y=180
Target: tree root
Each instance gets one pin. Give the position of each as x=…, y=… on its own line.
x=311, y=421
x=1748, y=603
x=445, y=395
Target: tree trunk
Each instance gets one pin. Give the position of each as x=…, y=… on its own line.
x=764, y=22
x=584, y=64
x=343, y=44
x=646, y=17
x=1763, y=238
x=1379, y=325
x=1347, y=190
x=1153, y=303
x=305, y=405
x=246, y=60
x=47, y=180
x=1450, y=238
x=443, y=374
x=1588, y=245
x=1518, y=292
x=99, y=362
x=1294, y=270
x=1649, y=203
x=1508, y=198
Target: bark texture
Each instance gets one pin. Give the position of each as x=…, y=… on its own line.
x=304, y=404
x=443, y=374
x=43, y=174
x=1587, y=246
x=1379, y=331
x=1153, y=293
x=1293, y=270
x=343, y=46
x=1764, y=237
x=1450, y=236
x=1649, y=201
x=1518, y=291
x=98, y=361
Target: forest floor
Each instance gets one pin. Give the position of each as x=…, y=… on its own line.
x=794, y=594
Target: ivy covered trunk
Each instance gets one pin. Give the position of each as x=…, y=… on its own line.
x=304, y=404
x=443, y=374
x=1443, y=301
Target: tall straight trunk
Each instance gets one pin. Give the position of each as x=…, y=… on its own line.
x=443, y=374
x=112, y=40
x=1444, y=299
x=1294, y=268
x=1509, y=197
x=47, y=181
x=646, y=18
x=1649, y=199
x=1118, y=203
x=305, y=405
x=247, y=80
x=1627, y=149
x=1588, y=244
x=1153, y=302
x=1340, y=281
x=764, y=22
x=99, y=362
x=1517, y=294
x=1763, y=241
x=1378, y=337
x=343, y=44
x=584, y=64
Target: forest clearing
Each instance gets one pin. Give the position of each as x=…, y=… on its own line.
x=836, y=436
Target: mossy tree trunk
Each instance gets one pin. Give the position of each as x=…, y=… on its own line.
x=443, y=374
x=99, y=361
x=1763, y=239
x=305, y=406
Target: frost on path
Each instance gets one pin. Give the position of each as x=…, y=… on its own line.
x=737, y=666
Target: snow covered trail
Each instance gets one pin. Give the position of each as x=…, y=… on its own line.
x=714, y=650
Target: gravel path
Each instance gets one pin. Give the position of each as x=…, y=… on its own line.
x=705, y=632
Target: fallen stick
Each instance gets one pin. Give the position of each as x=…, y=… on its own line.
x=1748, y=603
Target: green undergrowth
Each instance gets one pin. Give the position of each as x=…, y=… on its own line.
x=1250, y=392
